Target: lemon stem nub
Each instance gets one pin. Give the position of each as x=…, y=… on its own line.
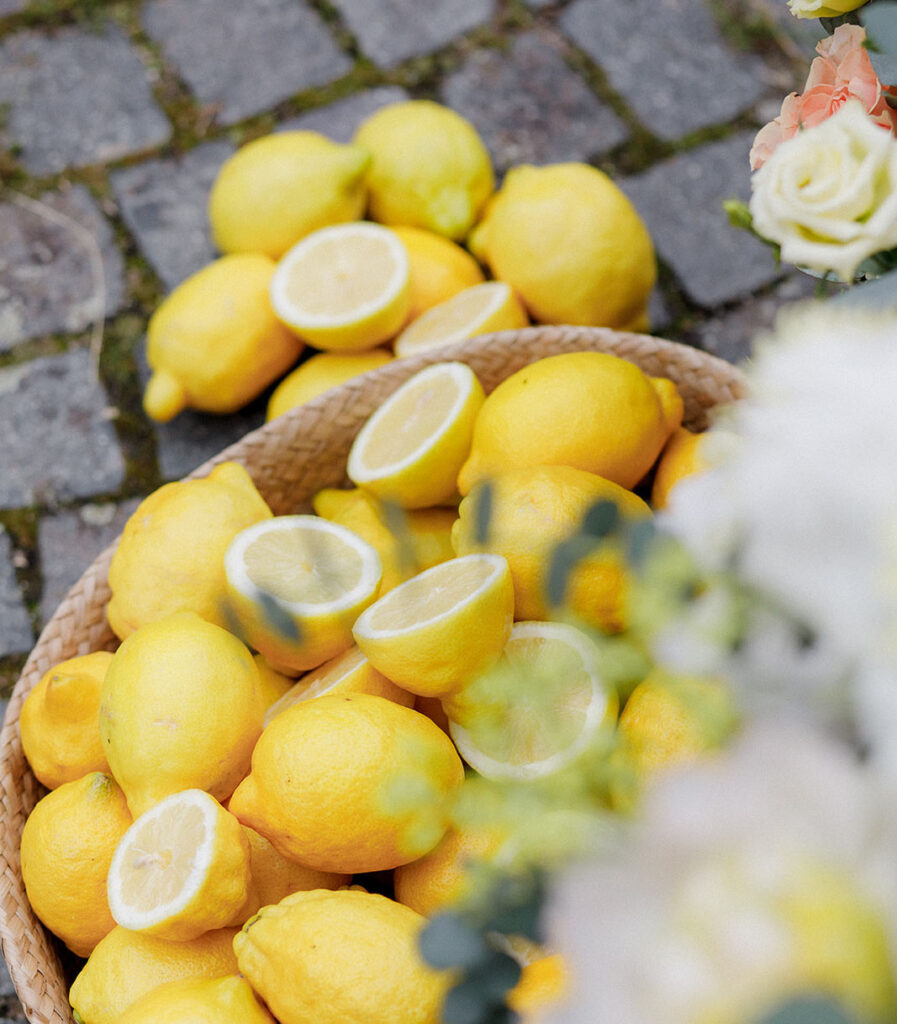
x=164, y=397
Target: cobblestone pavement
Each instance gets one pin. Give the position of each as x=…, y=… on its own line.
x=115, y=116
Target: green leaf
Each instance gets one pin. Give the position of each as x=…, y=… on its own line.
x=638, y=542
x=739, y=214
x=466, y=1003
x=447, y=941
x=278, y=618
x=877, y=296
x=564, y=559
x=601, y=519
x=483, y=517
x=480, y=997
x=518, y=908
x=830, y=24
x=808, y=1010
x=496, y=975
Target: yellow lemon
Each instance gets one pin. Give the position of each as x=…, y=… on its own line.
x=126, y=965
x=589, y=410
x=407, y=540
x=330, y=957
x=181, y=869
x=525, y=514
x=273, y=876
x=681, y=458
x=171, y=554
x=439, y=268
x=430, y=169
x=345, y=287
x=440, y=878
x=277, y=189
x=199, y=1001
x=571, y=244
x=214, y=343
x=273, y=684
x=349, y=672
x=355, y=754
x=539, y=709
x=322, y=372
x=543, y=983
x=410, y=450
x=67, y=847
x=480, y=309
x=296, y=584
x=442, y=627
x=181, y=708
x=58, y=721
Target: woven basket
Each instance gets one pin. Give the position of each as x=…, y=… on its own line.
x=289, y=460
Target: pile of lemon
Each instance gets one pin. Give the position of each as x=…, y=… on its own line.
x=301, y=267
x=295, y=698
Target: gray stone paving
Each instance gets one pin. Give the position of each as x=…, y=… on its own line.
x=16, y=635
x=77, y=97
x=247, y=56
x=11, y=7
x=674, y=71
x=530, y=107
x=164, y=202
x=390, y=31
x=681, y=202
x=58, y=442
x=56, y=276
x=340, y=120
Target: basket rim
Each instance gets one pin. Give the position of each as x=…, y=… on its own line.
x=18, y=787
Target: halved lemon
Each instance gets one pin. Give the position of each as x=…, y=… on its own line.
x=349, y=672
x=345, y=287
x=438, y=630
x=181, y=869
x=539, y=708
x=411, y=449
x=296, y=586
x=492, y=306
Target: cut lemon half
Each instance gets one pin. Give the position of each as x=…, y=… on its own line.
x=296, y=586
x=345, y=287
x=438, y=630
x=349, y=672
x=410, y=451
x=541, y=706
x=181, y=869
x=492, y=306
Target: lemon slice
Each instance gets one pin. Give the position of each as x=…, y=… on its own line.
x=344, y=287
x=441, y=628
x=181, y=869
x=537, y=710
x=349, y=672
x=492, y=306
x=411, y=449
x=296, y=586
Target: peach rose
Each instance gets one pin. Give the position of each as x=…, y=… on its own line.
x=842, y=71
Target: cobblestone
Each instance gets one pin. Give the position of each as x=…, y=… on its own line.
x=16, y=635
x=11, y=7
x=674, y=70
x=530, y=107
x=69, y=541
x=242, y=58
x=76, y=97
x=681, y=202
x=339, y=120
x=390, y=31
x=164, y=204
x=56, y=276
x=58, y=441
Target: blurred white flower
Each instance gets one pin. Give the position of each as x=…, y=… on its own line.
x=823, y=8
x=828, y=195
x=753, y=878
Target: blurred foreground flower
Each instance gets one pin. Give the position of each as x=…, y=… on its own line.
x=756, y=878
x=823, y=8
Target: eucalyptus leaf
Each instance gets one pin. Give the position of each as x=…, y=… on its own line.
x=496, y=975
x=466, y=1003
x=447, y=941
x=601, y=519
x=808, y=1010
x=639, y=540
x=278, y=618
x=483, y=517
x=877, y=296
x=830, y=24
x=564, y=559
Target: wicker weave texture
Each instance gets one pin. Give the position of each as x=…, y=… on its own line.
x=289, y=460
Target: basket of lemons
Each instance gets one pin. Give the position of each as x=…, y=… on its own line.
x=194, y=759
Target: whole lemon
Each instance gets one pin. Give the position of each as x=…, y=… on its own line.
x=214, y=343
x=329, y=957
x=199, y=1001
x=682, y=457
x=181, y=708
x=171, y=554
x=439, y=269
x=430, y=168
x=589, y=410
x=320, y=373
x=58, y=721
x=126, y=965
x=67, y=847
x=531, y=511
x=279, y=188
x=571, y=244
x=356, y=756
x=273, y=684
x=543, y=983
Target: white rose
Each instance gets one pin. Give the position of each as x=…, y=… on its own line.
x=828, y=196
x=823, y=8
